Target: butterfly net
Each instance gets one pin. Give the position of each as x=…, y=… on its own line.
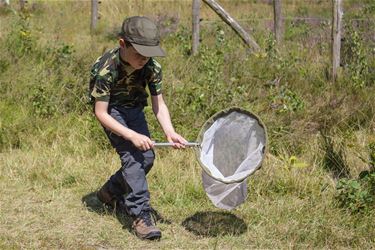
x=232, y=147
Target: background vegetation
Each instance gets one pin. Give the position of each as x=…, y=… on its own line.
x=316, y=188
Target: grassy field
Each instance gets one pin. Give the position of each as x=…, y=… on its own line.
x=312, y=191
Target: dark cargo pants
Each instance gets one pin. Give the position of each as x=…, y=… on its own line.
x=129, y=183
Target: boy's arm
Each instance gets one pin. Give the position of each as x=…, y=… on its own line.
x=161, y=112
x=142, y=142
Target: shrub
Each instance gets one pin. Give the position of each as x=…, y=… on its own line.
x=20, y=41
x=42, y=105
x=357, y=195
x=355, y=59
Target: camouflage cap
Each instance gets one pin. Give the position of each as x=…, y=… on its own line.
x=143, y=34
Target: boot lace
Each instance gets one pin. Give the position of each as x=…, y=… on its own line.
x=148, y=218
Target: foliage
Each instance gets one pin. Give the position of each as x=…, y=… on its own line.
x=357, y=195
x=355, y=59
x=21, y=40
x=369, y=9
x=183, y=38
x=41, y=104
x=285, y=100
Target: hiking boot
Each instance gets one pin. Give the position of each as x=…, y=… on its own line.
x=106, y=197
x=158, y=217
x=144, y=227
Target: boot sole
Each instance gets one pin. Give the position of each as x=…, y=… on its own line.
x=150, y=236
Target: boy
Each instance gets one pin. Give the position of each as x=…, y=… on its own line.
x=117, y=84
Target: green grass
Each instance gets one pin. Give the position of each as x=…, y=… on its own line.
x=54, y=154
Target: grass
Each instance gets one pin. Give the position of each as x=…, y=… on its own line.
x=47, y=202
x=54, y=155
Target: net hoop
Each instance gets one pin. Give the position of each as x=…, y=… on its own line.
x=209, y=123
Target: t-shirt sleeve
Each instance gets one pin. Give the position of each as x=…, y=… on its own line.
x=102, y=85
x=155, y=82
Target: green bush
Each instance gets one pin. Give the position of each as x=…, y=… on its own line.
x=357, y=195
x=42, y=105
x=21, y=41
x=355, y=59
x=286, y=100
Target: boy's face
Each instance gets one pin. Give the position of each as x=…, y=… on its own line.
x=131, y=56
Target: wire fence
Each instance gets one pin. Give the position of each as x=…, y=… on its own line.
x=288, y=18
x=324, y=23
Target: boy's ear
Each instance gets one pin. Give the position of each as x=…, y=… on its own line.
x=121, y=41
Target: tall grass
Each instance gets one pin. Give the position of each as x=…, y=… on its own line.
x=54, y=154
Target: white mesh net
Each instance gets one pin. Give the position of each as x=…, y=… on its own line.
x=232, y=148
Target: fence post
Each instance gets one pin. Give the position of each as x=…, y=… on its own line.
x=278, y=20
x=94, y=14
x=336, y=36
x=4, y=3
x=22, y=4
x=233, y=24
x=196, y=10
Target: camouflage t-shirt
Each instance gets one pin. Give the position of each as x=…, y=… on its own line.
x=116, y=82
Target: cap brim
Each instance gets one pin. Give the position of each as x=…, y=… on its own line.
x=148, y=51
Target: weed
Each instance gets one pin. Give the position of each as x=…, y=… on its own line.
x=61, y=54
x=355, y=59
x=286, y=100
x=41, y=102
x=369, y=9
x=271, y=48
x=357, y=195
x=21, y=41
x=183, y=36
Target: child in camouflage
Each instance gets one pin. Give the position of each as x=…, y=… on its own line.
x=117, y=85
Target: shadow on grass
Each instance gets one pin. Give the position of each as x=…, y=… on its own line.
x=334, y=159
x=91, y=202
x=212, y=224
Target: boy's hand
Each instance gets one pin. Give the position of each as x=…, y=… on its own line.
x=177, y=140
x=142, y=142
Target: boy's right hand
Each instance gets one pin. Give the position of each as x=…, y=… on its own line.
x=141, y=142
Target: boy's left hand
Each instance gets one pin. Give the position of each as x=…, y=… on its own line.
x=177, y=140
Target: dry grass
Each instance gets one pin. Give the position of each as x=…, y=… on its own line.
x=47, y=201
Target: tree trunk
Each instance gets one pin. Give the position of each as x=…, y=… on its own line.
x=233, y=24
